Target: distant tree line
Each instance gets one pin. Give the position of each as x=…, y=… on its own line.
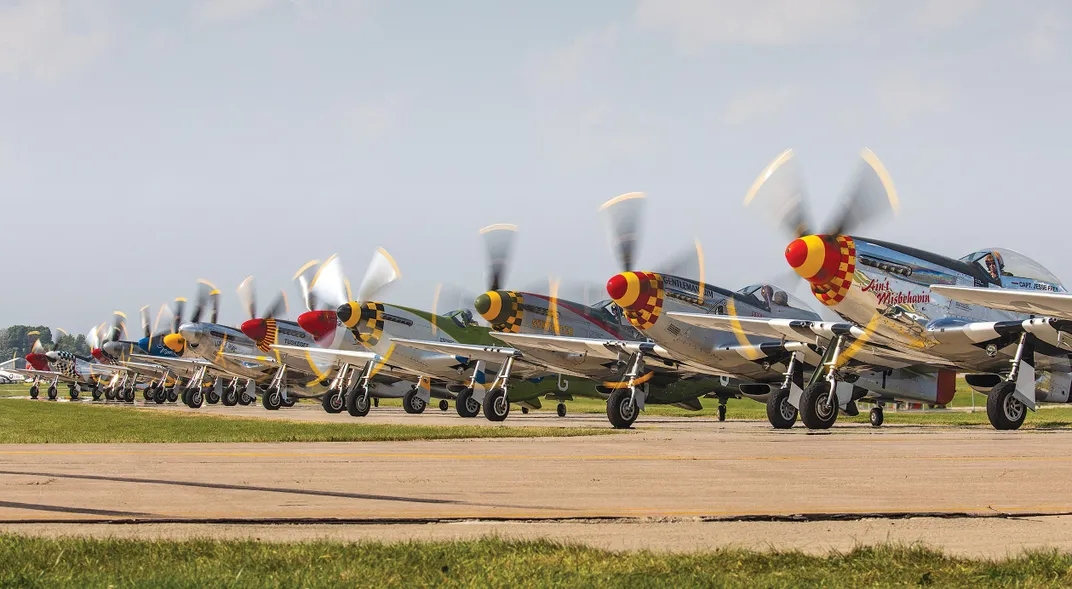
x=17, y=340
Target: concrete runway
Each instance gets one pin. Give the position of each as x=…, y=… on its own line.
x=673, y=484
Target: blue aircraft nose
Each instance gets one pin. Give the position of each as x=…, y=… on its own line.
x=143, y=343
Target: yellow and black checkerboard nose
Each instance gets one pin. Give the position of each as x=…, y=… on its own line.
x=502, y=309
x=640, y=295
x=365, y=320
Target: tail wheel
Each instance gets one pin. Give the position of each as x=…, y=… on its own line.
x=1004, y=410
x=496, y=405
x=466, y=405
x=412, y=403
x=230, y=396
x=876, y=416
x=561, y=409
x=780, y=412
x=815, y=411
x=357, y=402
x=622, y=409
x=333, y=402
x=444, y=405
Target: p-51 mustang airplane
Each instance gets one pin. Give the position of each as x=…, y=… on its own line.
x=899, y=299
x=55, y=366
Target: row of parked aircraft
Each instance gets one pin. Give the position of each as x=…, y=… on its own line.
x=909, y=322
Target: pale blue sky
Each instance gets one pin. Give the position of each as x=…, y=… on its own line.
x=144, y=145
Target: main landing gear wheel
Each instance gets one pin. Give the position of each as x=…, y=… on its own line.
x=621, y=409
x=146, y=394
x=876, y=416
x=561, y=409
x=185, y=396
x=333, y=402
x=96, y=393
x=412, y=403
x=230, y=396
x=289, y=401
x=444, y=405
x=172, y=396
x=357, y=402
x=195, y=398
x=496, y=405
x=245, y=399
x=34, y=392
x=160, y=395
x=52, y=393
x=212, y=397
x=272, y=399
x=1005, y=411
x=815, y=411
x=72, y=392
x=466, y=405
x=128, y=395
x=780, y=412
x=109, y=394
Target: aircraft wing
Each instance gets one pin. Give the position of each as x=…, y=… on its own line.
x=799, y=330
x=567, y=345
x=174, y=363
x=1032, y=302
x=470, y=351
x=43, y=374
x=249, y=358
x=327, y=352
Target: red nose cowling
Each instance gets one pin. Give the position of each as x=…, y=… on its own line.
x=318, y=323
x=255, y=329
x=616, y=286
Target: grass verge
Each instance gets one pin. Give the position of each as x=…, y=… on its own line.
x=75, y=562
x=41, y=422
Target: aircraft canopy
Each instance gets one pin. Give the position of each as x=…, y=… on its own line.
x=1000, y=262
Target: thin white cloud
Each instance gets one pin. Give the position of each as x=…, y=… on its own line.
x=759, y=103
x=566, y=64
x=215, y=12
x=904, y=96
x=695, y=24
x=48, y=39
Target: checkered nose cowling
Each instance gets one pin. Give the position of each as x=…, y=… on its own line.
x=502, y=309
x=827, y=262
x=365, y=320
x=640, y=295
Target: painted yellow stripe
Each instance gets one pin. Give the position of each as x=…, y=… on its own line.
x=496, y=305
x=816, y=255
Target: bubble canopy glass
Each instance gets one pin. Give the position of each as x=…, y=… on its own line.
x=1011, y=263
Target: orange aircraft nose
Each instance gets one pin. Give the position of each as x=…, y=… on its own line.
x=816, y=258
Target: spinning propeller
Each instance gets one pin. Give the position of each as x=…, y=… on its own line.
x=362, y=311
x=257, y=328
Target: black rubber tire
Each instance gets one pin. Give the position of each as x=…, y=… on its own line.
x=34, y=392
x=466, y=405
x=333, y=402
x=109, y=394
x=358, y=402
x=72, y=393
x=780, y=413
x=172, y=395
x=721, y=412
x=524, y=410
x=128, y=395
x=561, y=409
x=245, y=399
x=211, y=397
x=876, y=416
x=412, y=403
x=96, y=394
x=145, y=394
x=52, y=393
x=1005, y=411
x=621, y=410
x=496, y=405
x=272, y=399
x=444, y=405
x=185, y=397
x=160, y=396
x=230, y=396
x=289, y=401
x=195, y=398
x=813, y=410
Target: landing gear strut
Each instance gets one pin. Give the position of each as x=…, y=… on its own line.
x=1005, y=404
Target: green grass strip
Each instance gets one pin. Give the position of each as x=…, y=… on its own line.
x=42, y=422
x=76, y=562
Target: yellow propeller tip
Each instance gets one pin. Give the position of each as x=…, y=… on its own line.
x=621, y=198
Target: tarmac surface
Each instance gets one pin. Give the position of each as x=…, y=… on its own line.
x=671, y=484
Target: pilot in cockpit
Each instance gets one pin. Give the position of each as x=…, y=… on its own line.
x=994, y=265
